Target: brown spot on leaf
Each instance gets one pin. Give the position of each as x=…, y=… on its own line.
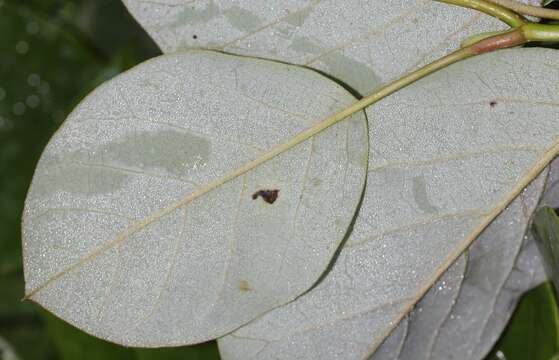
x=244, y=286
x=269, y=196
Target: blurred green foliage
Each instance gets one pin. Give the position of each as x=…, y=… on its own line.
x=546, y=230
x=52, y=53
x=72, y=344
x=533, y=331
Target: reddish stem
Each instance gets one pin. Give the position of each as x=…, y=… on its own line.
x=502, y=41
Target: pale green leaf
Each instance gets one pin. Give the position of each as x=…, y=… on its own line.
x=131, y=234
x=465, y=311
x=360, y=42
x=448, y=154
x=546, y=227
x=6, y=351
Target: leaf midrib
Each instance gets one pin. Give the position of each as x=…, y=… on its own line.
x=213, y=185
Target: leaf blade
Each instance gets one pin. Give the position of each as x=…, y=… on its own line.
x=379, y=236
x=464, y=313
x=532, y=324
x=114, y=174
x=318, y=34
x=546, y=227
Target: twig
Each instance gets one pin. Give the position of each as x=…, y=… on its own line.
x=524, y=9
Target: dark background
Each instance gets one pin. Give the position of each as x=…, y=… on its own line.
x=52, y=53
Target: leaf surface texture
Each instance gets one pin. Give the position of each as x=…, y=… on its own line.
x=122, y=240
x=447, y=153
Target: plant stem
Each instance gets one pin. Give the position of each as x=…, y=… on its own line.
x=527, y=31
x=527, y=9
x=478, y=37
x=504, y=40
x=541, y=32
x=502, y=13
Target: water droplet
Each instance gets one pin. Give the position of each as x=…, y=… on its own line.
x=34, y=80
x=2, y=94
x=5, y=123
x=19, y=108
x=44, y=88
x=32, y=101
x=500, y=355
x=32, y=28
x=22, y=47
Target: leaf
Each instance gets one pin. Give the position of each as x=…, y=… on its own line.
x=6, y=351
x=546, y=226
x=59, y=69
x=361, y=43
x=449, y=153
x=323, y=26
x=44, y=81
x=125, y=239
x=531, y=318
x=454, y=333
x=533, y=331
x=464, y=313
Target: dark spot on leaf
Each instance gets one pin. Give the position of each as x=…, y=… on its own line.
x=195, y=36
x=269, y=196
x=244, y=286
x=493, y=103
